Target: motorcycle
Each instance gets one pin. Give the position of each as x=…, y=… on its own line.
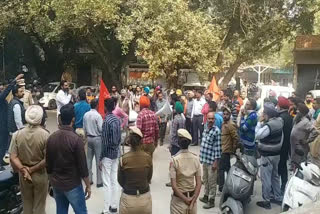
x=303, y=187
x=239, y=184
x=10, y=195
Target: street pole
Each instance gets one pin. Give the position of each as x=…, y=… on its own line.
x=3, y=62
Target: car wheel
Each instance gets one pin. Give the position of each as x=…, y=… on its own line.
x=52, y=105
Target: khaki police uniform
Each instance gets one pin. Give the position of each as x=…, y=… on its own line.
x=134, y=176
x=30, y=144
x=184, y=167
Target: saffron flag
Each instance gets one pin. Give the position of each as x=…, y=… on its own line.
x=104, y=94
x=214, y=89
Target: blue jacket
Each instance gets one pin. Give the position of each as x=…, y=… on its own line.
x=248, y=130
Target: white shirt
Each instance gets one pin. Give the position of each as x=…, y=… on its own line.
x=62, y=99
x=17, y=116
x=262, y=131
x=197, y=107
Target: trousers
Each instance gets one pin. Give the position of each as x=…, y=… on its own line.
x=81, y=133
x=283, y=171
x=75, y=197
x=94, y=150
x=210, y=180
x=224, y=166
x=270, y=178
x=177, y=206
x=189, y=125
x=132, y=204
x=110, y=182
x=3, y=144
x=34, y=193
x=197, y=127
x=162, y=131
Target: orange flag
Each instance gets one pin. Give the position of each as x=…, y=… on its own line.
x=214, y=89
x=104, y=94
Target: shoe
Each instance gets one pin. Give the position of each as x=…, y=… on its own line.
x=99, y=185
x=193, y=144
x=264, y=204
x=274, y=201
x=168, y=184
x=113, y=210
x=210, y=204
x=204, y=199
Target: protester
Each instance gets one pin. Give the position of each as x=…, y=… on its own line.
x=109, y=159
x=269, y=133
x=283, y=107
x=188, y=112
x=92, y=126
x=63, y=97
x=316, y=107
x=247, y=127
x=27, y=156
x=229, y=143
x=217, y=116
x=123, y=102
x=80, y=108
x=16, y=112
x=237, y=102
x=122, y=116
x=134, y=176
x=4, y=132
x=210, y=153
x=162, y=118
x=177, y=123
x=89, y=95
x=185, y=174
x=66, y=165
x=205, y=109
x=303, y=133
x=197, y=118
x=148, y=124
x=114, y=92
x=309, y=101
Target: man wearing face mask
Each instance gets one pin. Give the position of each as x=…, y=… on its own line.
x=269, y=133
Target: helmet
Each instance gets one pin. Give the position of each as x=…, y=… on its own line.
x=311, y=173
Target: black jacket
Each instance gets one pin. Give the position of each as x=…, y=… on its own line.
x=4, y=108
x=287, y=128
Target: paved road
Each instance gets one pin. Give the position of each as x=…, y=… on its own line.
x=161, y=195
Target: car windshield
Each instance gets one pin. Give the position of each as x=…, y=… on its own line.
x=49, y=87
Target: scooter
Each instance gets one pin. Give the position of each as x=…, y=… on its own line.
x=239, y=184
x=303, y=187
x=10, y=195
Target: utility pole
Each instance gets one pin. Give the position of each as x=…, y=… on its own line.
x=3, y=61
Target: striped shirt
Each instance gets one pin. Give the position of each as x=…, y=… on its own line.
x=111, y=137
x=210, y=149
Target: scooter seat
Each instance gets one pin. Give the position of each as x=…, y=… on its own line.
x=5, y=175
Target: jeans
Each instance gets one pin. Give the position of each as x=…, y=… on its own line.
x=94, y=150
x=75, y=197
x=110, y=183
x=270, y=178
x=189, y=125
x=224, y=166
x=3, y=145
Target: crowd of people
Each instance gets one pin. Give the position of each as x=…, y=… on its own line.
x=271, y=130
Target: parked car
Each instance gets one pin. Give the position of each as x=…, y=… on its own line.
x=315, y=93
x=50, y=91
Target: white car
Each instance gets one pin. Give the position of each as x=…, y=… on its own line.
x=49, y=94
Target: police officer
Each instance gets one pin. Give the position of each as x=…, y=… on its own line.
x=184, y=169
x=134, y=176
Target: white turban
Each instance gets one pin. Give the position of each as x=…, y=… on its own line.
x=34, y=115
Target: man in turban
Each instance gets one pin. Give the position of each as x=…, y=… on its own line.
x=283, y=107
x=27, y=155
x=147, y=122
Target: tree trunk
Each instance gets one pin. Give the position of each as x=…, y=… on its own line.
x=232, y=70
